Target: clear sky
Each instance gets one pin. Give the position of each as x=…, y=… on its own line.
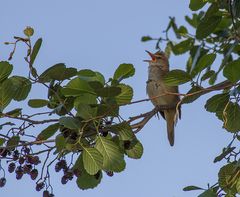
x=100, y=35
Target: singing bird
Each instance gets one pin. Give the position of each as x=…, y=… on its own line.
x=158, y=91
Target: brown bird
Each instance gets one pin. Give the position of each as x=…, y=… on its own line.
x=158, y=91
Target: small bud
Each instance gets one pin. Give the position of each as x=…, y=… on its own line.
x=28, y=31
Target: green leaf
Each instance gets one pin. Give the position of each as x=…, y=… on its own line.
x=85, y=98
x=126, y=94
x=113, y=159
x=194, y=20
x=14, y=113
x=108, y=110
x=217, y=102
x=207, y=26
x=57, y=72
x=48, y=132
x=232, y=71
x=92, y=160
x=37, y=103
x=13, y=142
x=207, y=75
x=225, y=152
x=177, y=77
x=77, y=87
x=70, y=122
x=135, y=151
x=6, y=93
x=108, y=91
x=35, y=50
x=208, y=193
x=22, y=87
x=183, y=46
x=124, y=71
x=95, y=85
x=196, y=4
x=146, y=38
x=182, y=30
x=87, y=181
x=2, y=140
x=192, y=187
x=89, y=75
x=60, y=143
x=5, y=70
x=190, y=99
x=86, y=112
x=124, y=131
x=226, y=173
x=236, y=7
x=238, y=186
x=204, y=62
x=232, y=117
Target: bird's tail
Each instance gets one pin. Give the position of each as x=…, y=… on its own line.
x=170, y=116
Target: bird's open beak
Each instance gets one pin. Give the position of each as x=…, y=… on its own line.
x=152, y=56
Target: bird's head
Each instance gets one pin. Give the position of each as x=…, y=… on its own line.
x=158, y=59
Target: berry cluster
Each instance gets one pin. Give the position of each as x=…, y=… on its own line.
x=21, y=162
x=68, y=173
x=24, y=163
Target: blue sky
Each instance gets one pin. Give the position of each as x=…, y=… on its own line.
x=99, y=35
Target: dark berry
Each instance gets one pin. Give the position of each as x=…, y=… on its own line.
x=40, y=186
x=16, y=152
x=64, y=180
x=63, y=164
x=58, y=167
x=74, y=136
x=127, y=145
x=108, y=122
x=27, y=168
x=11, y=167
x=46, y=193
x=36, y=160
x=109, y=173
x=34, y=174
x=77, y=172
x=26, y=150
x=104, y=133
x=97, y=175
x=3, y=152
x=69, y=174
x=2, y=182
x=66, y=133
x=15, y=155
x=19, y=172
x=21, y=160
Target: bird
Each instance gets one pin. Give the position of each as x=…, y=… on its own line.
x=158, y=91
